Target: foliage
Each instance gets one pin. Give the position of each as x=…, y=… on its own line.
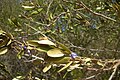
x=60, y=39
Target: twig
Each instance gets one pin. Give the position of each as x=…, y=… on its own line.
x=95, y=13
x=36, y=30
x=99, y=50
x=35, y=58
x=49, y=7
x=56, y=18
x=88, y=78
x=114, y=71
x=31, y=20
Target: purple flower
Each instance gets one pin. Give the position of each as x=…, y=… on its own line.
x=24, y=47
x=73, y=55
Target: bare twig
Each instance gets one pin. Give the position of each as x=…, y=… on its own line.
x=95, y=13
x=114, y=71
x=35, y=58
x=49, y=7
x=35, y=30
x=96, y=50
x=93, y=76
x=91, y=11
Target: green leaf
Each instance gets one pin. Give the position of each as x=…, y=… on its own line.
x=40, y=9
x=64, y=47
x=41, y=42
x=8, y=43
x=1, y=32
x=55, y=53
x=66, y=66
x=20, y=54
x=100, y=63
x=10, y=22
x=47, y=67
x=19, y=78
x=28, y=7
x=40, y=45
x=4, y=40
x=43, y=48
x=34, y=12
x=46, y=42
x=33, y=43
x=58, y=60
x=3, y=50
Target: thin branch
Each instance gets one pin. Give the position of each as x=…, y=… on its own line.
x=56, y=18
x=35, y=58
x=91, y=11
x=114, y=71
x=96, y=50
x=95, y=13
x=35, y=30
x=49, y=7
x=32, y=21
x=91, y=77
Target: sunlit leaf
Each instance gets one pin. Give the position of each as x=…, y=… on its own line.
x=46, y=42
x=42, y=42
x=3, y=50
x=88, y=61
x=28, y=7
x=55, y=53
x=4, y=40
x=40, y=9
x=9, y=42
x=20, y=54
x=47, y=67
x=66, y=66
x=18, y=78
x=34, y=12
x=11, y=22
x=100, y=64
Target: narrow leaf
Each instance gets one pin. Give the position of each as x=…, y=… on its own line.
x=64, y=47
x=66, y=66
x=47, y=67
x=33, y=43
x=58, y=60
x=3, y=50
x=20, y=54
x=28, y=7
x=46, y=42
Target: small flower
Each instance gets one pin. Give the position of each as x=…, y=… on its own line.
x=24, y=47
x=73, y=55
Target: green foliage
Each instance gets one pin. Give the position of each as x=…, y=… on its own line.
x=5, y=41
x=48, y=32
